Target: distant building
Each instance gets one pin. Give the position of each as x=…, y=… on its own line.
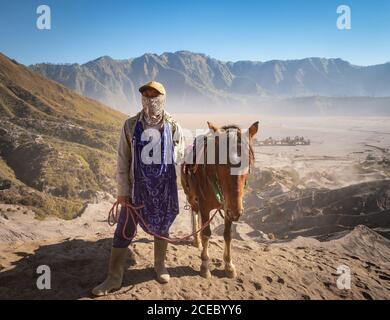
x=287, y=141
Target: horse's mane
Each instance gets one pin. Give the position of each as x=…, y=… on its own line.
x=231, y=126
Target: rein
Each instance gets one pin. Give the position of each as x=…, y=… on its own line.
x=133, y=212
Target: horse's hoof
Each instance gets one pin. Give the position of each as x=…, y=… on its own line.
x=205, y=273
x=231, y=273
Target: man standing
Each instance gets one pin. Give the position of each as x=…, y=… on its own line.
x=141, y=181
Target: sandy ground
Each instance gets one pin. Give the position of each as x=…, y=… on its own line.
x=77, y=251
x=301, y=269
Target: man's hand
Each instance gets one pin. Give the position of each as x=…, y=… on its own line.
x=123, y=200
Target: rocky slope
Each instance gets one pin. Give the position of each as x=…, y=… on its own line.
x=57, y=149
x=319, y=213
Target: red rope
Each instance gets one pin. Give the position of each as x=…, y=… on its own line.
x=133, y=211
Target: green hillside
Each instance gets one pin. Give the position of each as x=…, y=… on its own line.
x=57, y=149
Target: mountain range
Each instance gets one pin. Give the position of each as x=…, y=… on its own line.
x=197, y=82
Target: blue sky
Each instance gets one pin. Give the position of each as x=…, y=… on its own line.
x=228, y=30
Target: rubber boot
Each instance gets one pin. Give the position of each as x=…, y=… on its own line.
x=160, y=251
x=115, y=273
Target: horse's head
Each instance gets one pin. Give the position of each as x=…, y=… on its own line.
x=232, y=171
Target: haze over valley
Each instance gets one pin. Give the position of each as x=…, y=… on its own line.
x=196, y=82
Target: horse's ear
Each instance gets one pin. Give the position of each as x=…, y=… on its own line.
x=212, y=126
x=253, y=129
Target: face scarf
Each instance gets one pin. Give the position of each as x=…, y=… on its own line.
x=153, y=109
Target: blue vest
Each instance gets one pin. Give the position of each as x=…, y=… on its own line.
x=155, y=184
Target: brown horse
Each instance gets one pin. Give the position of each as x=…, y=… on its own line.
x=218, y=182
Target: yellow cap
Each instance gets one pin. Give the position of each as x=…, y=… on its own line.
x=153, y=84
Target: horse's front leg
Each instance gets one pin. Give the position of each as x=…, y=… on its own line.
x=195, y=227
x=206, y=233
x=230, y=269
